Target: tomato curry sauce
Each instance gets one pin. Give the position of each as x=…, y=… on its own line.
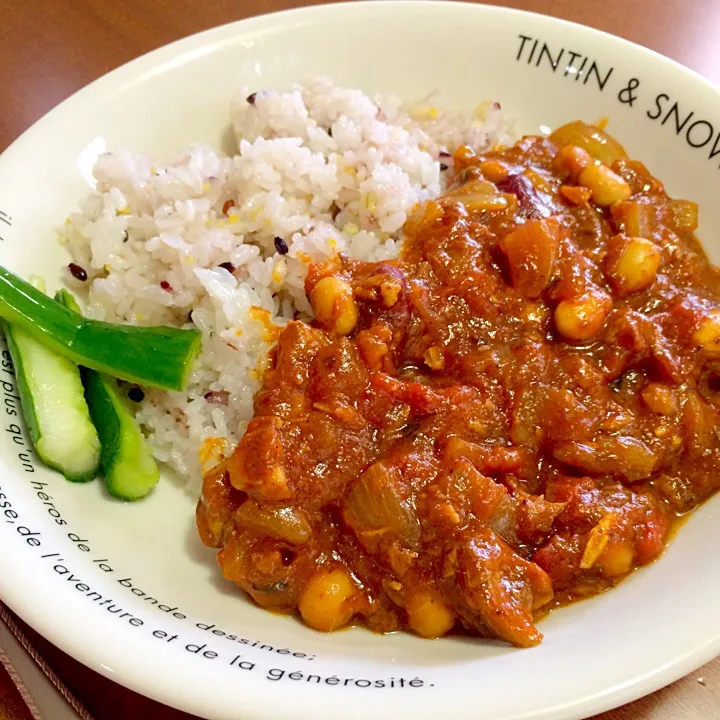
x=509, y=417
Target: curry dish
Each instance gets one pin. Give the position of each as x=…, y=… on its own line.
x=510, y=417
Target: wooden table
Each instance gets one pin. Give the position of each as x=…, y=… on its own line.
x=51, y=48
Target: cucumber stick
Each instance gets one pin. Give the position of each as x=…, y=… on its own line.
x=51, y=394
x=127, y=463
x=157, y=356
x=129, y=468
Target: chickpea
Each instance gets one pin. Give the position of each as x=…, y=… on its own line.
x=616, y=560
x=572, y=159
x=582, y=318
x=606, y=187
x=334, y=306
x=428, y=615
x=707, y=333
x=327, y=602
x=633, y=263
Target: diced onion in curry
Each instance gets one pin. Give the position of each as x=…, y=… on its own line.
x=373, y=508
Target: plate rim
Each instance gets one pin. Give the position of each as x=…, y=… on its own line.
x=156, y=60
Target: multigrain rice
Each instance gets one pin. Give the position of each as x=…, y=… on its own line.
x=224, y=242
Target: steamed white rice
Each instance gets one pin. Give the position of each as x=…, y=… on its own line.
x=153, y=236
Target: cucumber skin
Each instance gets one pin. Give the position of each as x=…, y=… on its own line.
x=104, y=416
x=28, y=408
x=121, y=440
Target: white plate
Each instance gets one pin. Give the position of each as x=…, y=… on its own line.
x=60, y=543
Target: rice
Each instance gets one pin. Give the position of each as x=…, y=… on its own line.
x=202, y=239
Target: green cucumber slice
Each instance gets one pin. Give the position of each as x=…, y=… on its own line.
x=129, y=467
x=158, y=356
x=53, y=403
